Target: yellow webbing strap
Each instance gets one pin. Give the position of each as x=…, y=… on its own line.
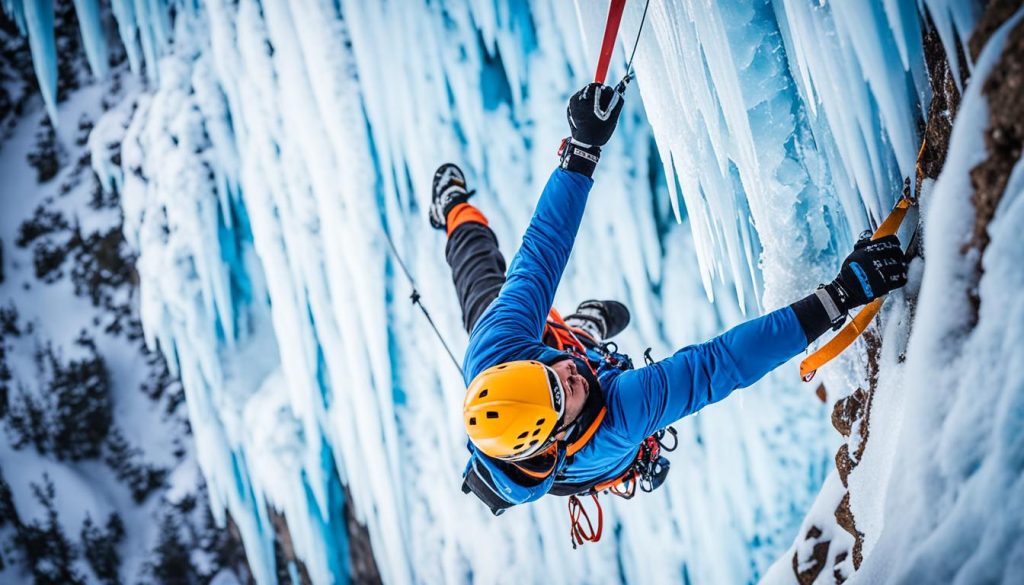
x=852, y=330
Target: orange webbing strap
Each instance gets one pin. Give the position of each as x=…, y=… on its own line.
x=578, y=515
x=463, y=213
x=578, y=444
x=539, y=474
x=563, y=336
x=852, y=330
x=615, y=483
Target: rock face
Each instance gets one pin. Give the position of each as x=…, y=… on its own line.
x=1004, y=137
x=1004, y=140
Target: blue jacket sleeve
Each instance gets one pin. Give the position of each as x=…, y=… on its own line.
x=645, y=400
x=513, y=324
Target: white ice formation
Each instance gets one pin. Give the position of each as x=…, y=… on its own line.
x=282, y=140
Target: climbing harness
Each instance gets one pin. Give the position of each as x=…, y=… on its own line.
x=415, y=297
x=859, y=324
x=647, y=472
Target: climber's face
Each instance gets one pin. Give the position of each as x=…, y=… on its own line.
x=575, y=387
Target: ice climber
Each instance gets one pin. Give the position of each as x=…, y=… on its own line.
x=550, y=406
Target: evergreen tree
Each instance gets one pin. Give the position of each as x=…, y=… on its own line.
x=99, y=547
x=173, y=564
x=45, y=157
x=49, y=233
x=126, y=461
x=82, y=410
x=72, y=414
x=48, y=553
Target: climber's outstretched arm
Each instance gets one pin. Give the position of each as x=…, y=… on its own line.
x=516, y=318
x=655, y=396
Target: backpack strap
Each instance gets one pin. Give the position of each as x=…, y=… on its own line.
x=478, y=480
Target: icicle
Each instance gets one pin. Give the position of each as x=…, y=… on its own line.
x=39, y=24
x=90, y=21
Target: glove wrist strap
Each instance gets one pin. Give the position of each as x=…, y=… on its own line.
x=578, y=157
x=836, y=302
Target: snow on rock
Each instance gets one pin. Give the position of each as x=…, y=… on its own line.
x=933, y=467
x=952, y=500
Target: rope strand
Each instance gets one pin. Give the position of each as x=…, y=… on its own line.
x=643, y=19
x=415, y=297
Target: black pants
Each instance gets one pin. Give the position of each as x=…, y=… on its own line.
x=478, y=269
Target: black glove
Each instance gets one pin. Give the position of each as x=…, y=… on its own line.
x=593, y=112
x=872, y=270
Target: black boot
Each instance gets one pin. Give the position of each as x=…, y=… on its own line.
x=449, y=191
x=601, y=319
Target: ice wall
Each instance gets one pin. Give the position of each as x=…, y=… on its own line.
x=283, y=139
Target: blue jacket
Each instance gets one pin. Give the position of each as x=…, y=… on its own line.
x=639, y=402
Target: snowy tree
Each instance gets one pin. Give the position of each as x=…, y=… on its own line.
x=99, y=546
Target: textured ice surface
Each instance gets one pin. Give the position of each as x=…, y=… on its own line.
x=282, y=140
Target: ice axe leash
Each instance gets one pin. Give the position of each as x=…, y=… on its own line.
x=859, y=324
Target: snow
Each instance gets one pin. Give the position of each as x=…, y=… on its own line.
x=957, y=450
x=280, y=142
x=52, y=313
x=937, y=492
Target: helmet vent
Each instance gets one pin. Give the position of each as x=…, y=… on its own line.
x=534, y=432
x=518, y=447
x=492, y=414
x=472, y=420
x=540, y=422
x=533, y=442
x=482, y=393
x=523, y=435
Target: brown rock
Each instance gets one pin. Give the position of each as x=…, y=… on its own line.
x=839, y=578
x=847, y=410
x=845, y=519
x=996, y=13
x=284, y=550
x=1004, y=140
x=844, y=465
x=818, y=555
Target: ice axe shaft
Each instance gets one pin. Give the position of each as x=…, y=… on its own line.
x=611, y=31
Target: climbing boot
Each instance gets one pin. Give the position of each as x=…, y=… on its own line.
x=449, y=191
x=601, y=319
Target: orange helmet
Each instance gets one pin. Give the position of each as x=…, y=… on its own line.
x=511, y=409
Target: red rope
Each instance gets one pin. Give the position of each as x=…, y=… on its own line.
x=578, y=515
x=611, y=31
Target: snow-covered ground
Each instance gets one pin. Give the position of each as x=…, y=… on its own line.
x=98, y=477
x=276, y=144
